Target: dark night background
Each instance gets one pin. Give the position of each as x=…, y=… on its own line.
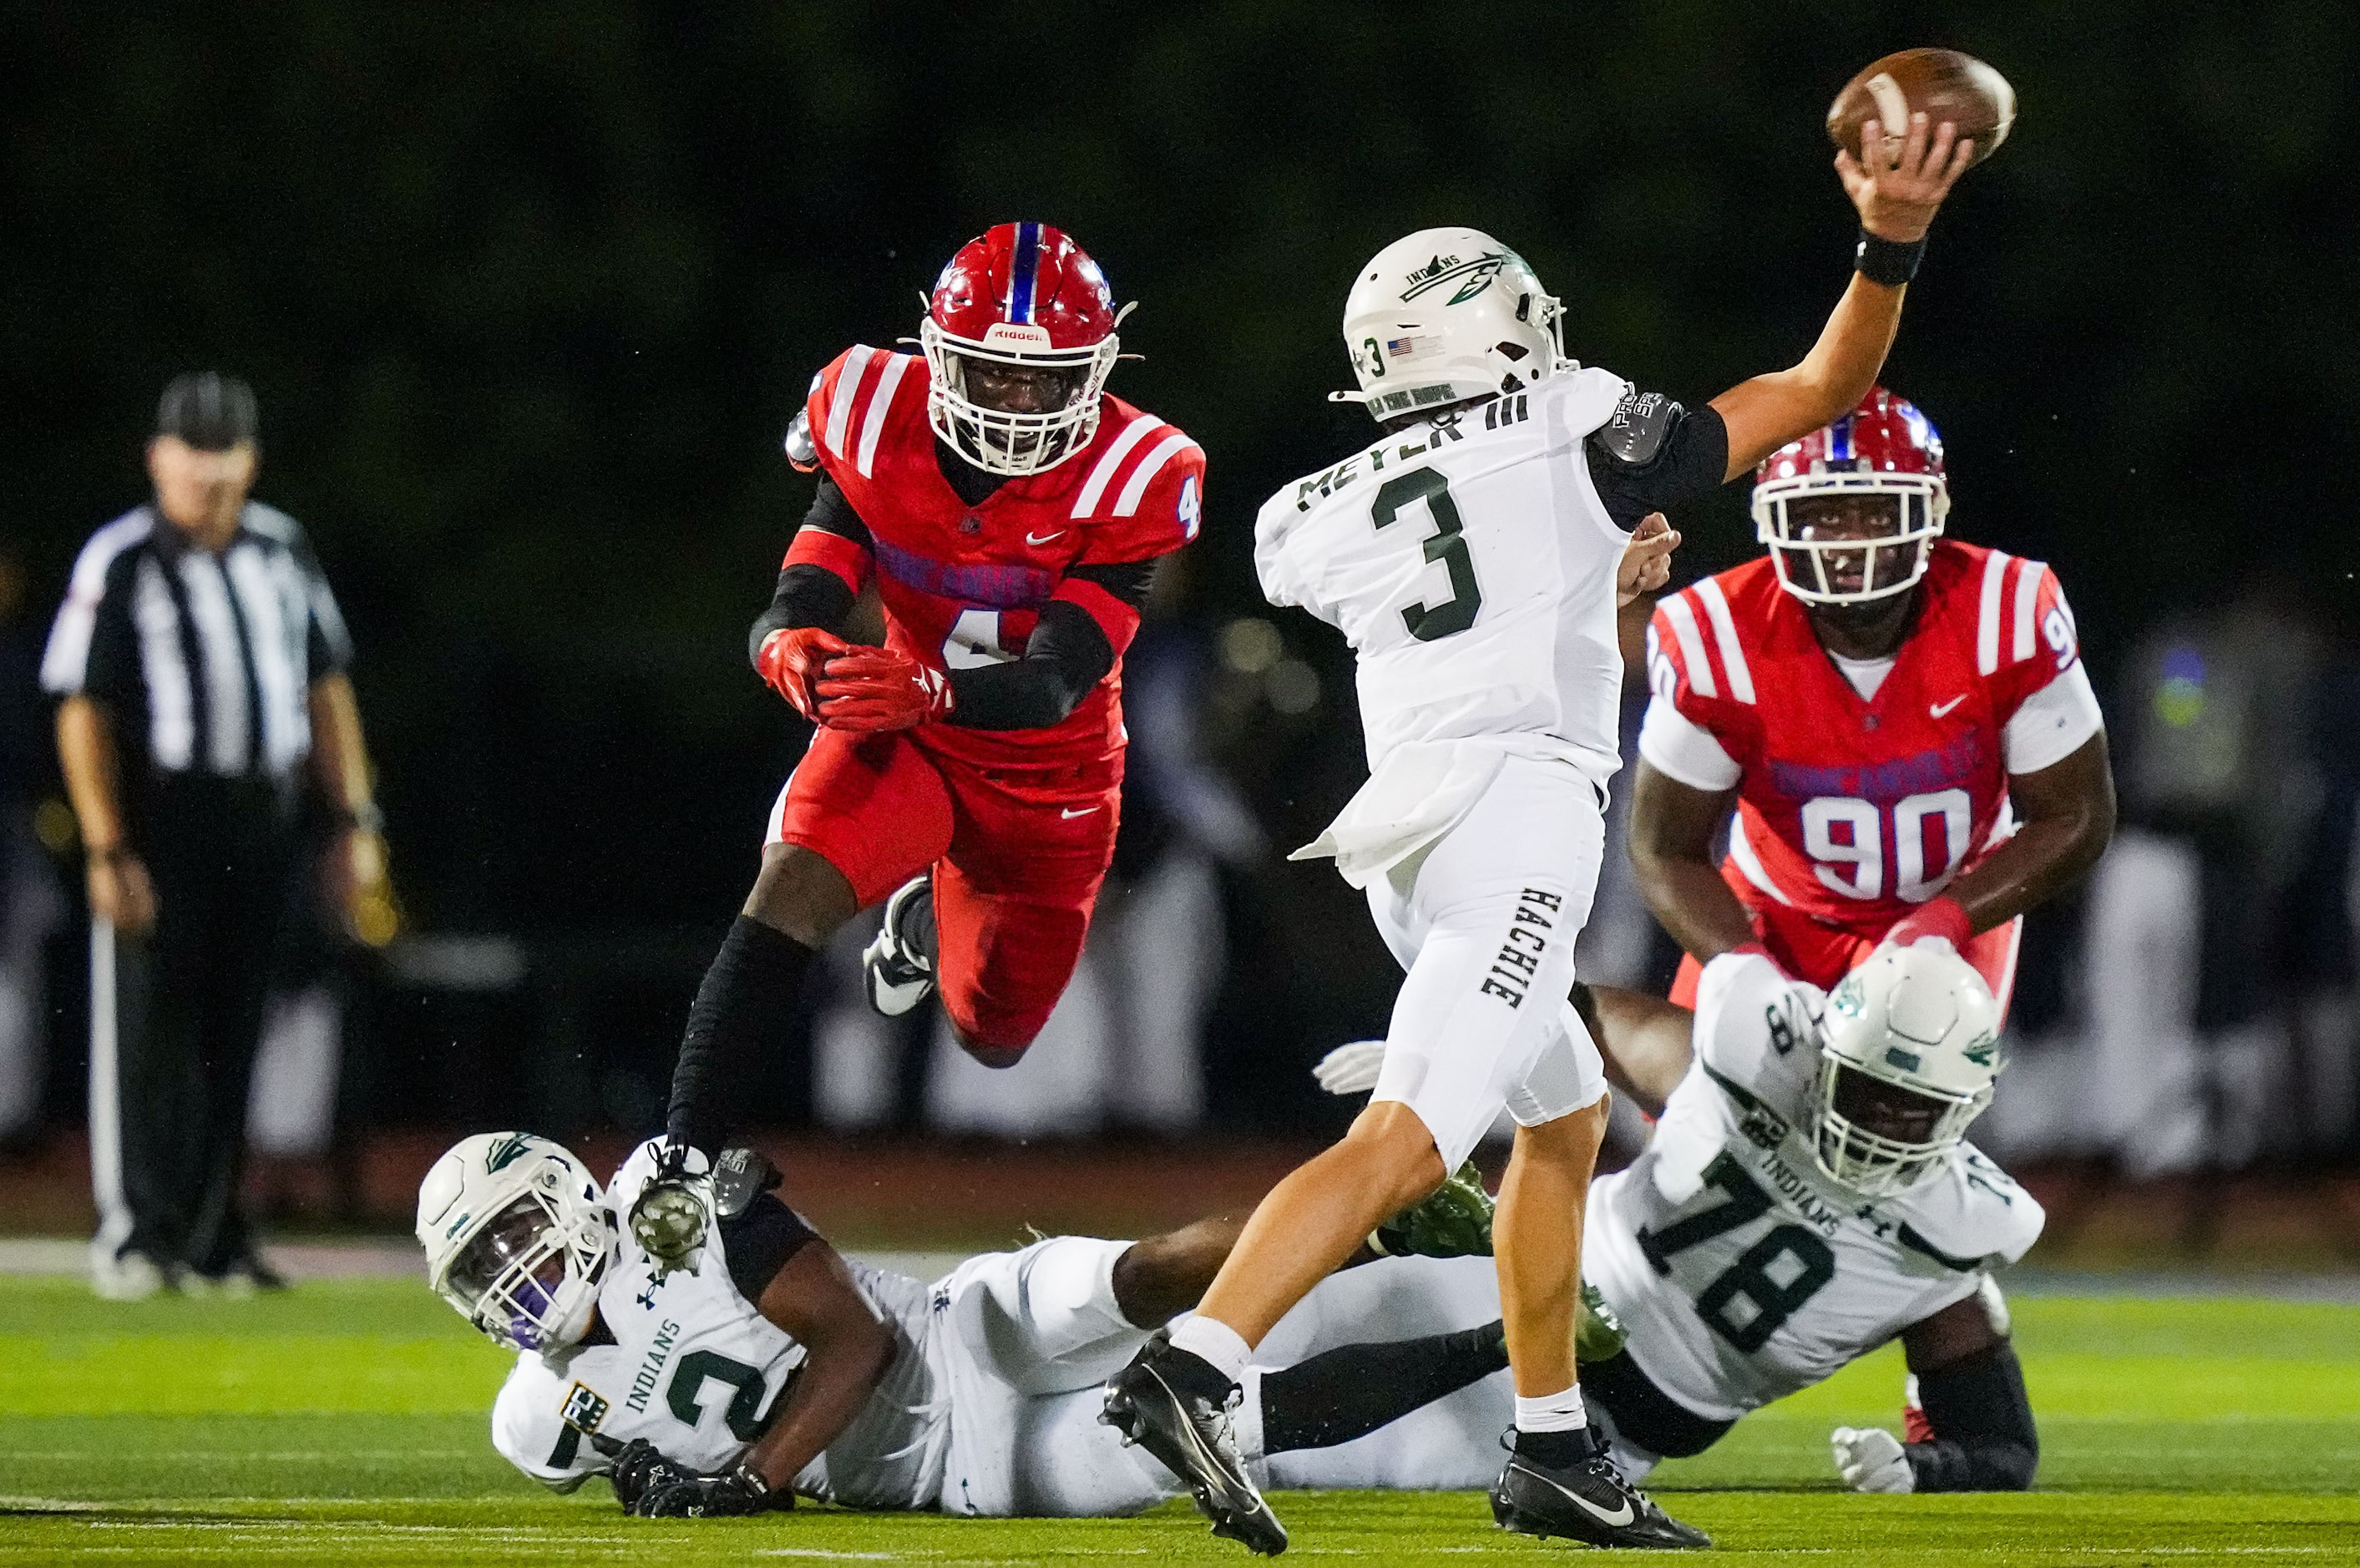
x=528, y=292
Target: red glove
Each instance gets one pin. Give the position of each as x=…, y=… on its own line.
x=1945, y=918
x=791, y=661
x=872, y=689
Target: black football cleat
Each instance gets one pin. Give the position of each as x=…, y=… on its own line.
x=1191, y=1436
x=899, y=976
x=1586, y=1500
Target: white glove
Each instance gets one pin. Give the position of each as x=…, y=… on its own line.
x=1351, y=1069
x=1871, y=1459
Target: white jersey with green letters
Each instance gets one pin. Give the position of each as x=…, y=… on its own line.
x=1742, y=1272
x=1470, y=563
x=697, y=1370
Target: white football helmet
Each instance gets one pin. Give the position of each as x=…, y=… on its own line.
x=517, y=1236
x=1908, y=1051
x=1445, y=315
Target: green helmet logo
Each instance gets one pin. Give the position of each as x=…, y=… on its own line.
x=507, y=1151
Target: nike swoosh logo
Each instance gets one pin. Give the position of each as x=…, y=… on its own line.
x=1615, y=1520
x=1941, y=708
x=1070, y=814
x=1044, y=539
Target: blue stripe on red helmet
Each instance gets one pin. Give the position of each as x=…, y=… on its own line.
x=1839, y=441
x=1022, y=281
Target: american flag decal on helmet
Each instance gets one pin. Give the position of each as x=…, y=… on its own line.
x=1025, y=275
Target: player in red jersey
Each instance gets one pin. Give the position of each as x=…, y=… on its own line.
x=1901, y=720
x=1012, y=515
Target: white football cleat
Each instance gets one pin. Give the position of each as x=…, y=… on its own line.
x=899, y=976
x=128, y=1277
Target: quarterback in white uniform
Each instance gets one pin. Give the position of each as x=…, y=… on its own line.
x=1808, y=1196
x=771, y=1367
x=1475, y=556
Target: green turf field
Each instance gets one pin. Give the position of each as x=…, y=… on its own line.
x=345, y=1423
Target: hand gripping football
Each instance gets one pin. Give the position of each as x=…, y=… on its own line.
x=1942, y=85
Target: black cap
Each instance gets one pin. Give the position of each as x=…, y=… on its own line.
x=210, y=411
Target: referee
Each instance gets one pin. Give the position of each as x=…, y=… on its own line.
x=201, y=660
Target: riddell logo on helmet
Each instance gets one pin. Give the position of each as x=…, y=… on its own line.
x=1472, y=277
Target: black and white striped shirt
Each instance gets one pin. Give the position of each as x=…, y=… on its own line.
x=213, y=655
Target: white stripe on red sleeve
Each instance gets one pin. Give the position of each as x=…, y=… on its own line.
x=1988, y=624
x=1127, y=504
x=2029, y=574
x=1101, y=476
x=879, y=402
x=840, y=400
x=1684, y=628
x=1724, y=632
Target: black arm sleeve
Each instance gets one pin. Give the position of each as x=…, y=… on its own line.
x=759, y=1241
x=811, y=595
x=1653, y=456
x=1068, y=653
x=1984, y=1439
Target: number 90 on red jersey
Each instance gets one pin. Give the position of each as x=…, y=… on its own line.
x=1855, y=810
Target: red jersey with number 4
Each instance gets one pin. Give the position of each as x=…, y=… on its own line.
x=1855, y=810
x=963, y=585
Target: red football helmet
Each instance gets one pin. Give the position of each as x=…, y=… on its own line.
x=1023, y=296
x=1884, y=447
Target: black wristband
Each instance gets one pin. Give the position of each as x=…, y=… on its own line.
x=1888, y=262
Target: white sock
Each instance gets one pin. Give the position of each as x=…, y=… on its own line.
x=1551, y=1412
x=1218, y=1345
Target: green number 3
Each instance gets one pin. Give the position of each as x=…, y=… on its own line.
x=688, y=1383
x=1376, y=359
x=1428, y=622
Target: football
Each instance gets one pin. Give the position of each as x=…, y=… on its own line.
x=1942, y=84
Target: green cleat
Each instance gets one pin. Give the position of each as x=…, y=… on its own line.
x=1598, y=1333
x=1453, y=1221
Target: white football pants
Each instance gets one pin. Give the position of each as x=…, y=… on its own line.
x=1484, y=921
x=1030, y=1337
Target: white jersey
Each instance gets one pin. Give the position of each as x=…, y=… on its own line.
x=1741, y=1271
x=697, y=1370
x=992, y=1407
x=1470, y=563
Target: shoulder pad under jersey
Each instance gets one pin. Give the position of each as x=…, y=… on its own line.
x=1642, y=422
x=802, y=451
x=740, y=1176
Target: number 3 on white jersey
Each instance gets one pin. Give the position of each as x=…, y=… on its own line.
x=1853, y=866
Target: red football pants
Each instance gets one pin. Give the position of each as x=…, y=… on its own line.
x=1823, y=954
x=1017, y=854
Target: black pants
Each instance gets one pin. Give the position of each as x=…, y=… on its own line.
x=176, y=1013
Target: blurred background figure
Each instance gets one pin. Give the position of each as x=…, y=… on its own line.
x=2191, y=972
x=298, y=1068
x=201, y=660
x=30, y=904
